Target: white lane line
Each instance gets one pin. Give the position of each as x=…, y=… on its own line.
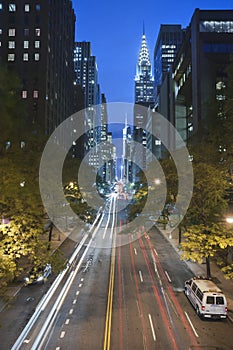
x=140, y=275
x=77, y=293
x=194, y=330
x=138, y=308
x=80, y=285
x=62, y=334
x=155, y=252
x=58, y=348
x=168, y=277
x=82, y=279
x=135, y=251
x=71, y=311
x=67, y=321
x=74, y=301
x=152, y=327
x=26, y=341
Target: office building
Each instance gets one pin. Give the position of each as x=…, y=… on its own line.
x=37, y=41
x=167, y=45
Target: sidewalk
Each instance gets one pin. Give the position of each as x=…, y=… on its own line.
x=8, y=293
x=200, y=269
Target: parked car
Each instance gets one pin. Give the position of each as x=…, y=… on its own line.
x=38, y=275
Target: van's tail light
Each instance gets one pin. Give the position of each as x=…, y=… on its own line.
x=203, y=307
x=226, y=309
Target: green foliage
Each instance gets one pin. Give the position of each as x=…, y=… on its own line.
x=209, y=202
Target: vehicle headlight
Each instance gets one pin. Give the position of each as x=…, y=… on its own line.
x=40, y=278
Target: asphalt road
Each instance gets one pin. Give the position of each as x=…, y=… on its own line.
x=125, y=297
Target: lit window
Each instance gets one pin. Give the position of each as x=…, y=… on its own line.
x=37, y=44
x=37, y=7
x=0, y=43
x=26, y=44
x=11, y=44
x=11, y=56
x=37, y=56
x=37, y=31
x=25, y=57
x=35, y=94
x=26, y=31
x=0, y=6
x=24, y=94
x=26, y=7
x=12, y=7
x=11, y=31
x=0, y=30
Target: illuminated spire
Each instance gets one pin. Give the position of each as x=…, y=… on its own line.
x=144, y=57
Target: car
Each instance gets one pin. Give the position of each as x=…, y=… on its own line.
x=38, y=275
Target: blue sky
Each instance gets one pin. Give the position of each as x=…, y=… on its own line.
x=114, y=29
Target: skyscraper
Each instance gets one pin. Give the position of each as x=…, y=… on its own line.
x=144, y=98
x=37, y=40
x=167, y=45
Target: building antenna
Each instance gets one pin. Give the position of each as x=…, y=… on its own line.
x=143, y=28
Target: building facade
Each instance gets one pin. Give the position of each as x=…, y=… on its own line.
x=144, y=98
x=167, y=45
x=37, y=41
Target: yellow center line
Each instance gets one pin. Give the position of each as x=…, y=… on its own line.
x=108, y=321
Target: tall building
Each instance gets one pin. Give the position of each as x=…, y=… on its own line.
x=86, y=73
x=37, y=41
x=199, y=74
x=144, y=98
x=168, y=43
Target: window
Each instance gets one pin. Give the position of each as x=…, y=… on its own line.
x=219, y=301
x=37, y=56
x=11, y=57
x=11, y=31
x=12, y=7
x=24, y=94
x=0, y=30
x=26, y=44
x=37, y=44
x=210, y=300
x=25, y=57
x=37, y=7
x=35, y=94
x=0, y=6
x=26, y=31
x=37, y=31
x=26, y=7
x=11, y=44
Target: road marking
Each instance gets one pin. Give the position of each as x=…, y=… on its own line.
x=74, y=301
x=67, y=321
x=135, y=251
x=80, y=285
x=140, y=275
x=71, y=311
x=138, y=308
x=194, y=330
x=26, y=341
x=58, y=348
x=152, y=327
x=77, y=293
x=155, y=252
x=62, y=334
x=169, y=279
x=82, y=279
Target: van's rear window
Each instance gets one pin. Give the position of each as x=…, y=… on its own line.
x=210, y=300
x=219, y=301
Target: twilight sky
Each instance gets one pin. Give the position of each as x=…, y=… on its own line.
x=114, y=29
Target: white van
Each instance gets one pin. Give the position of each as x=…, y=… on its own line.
x=207, y=299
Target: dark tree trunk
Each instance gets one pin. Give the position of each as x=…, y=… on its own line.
x=208, y=273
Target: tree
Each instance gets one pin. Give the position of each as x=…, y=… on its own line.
x=206, y=210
